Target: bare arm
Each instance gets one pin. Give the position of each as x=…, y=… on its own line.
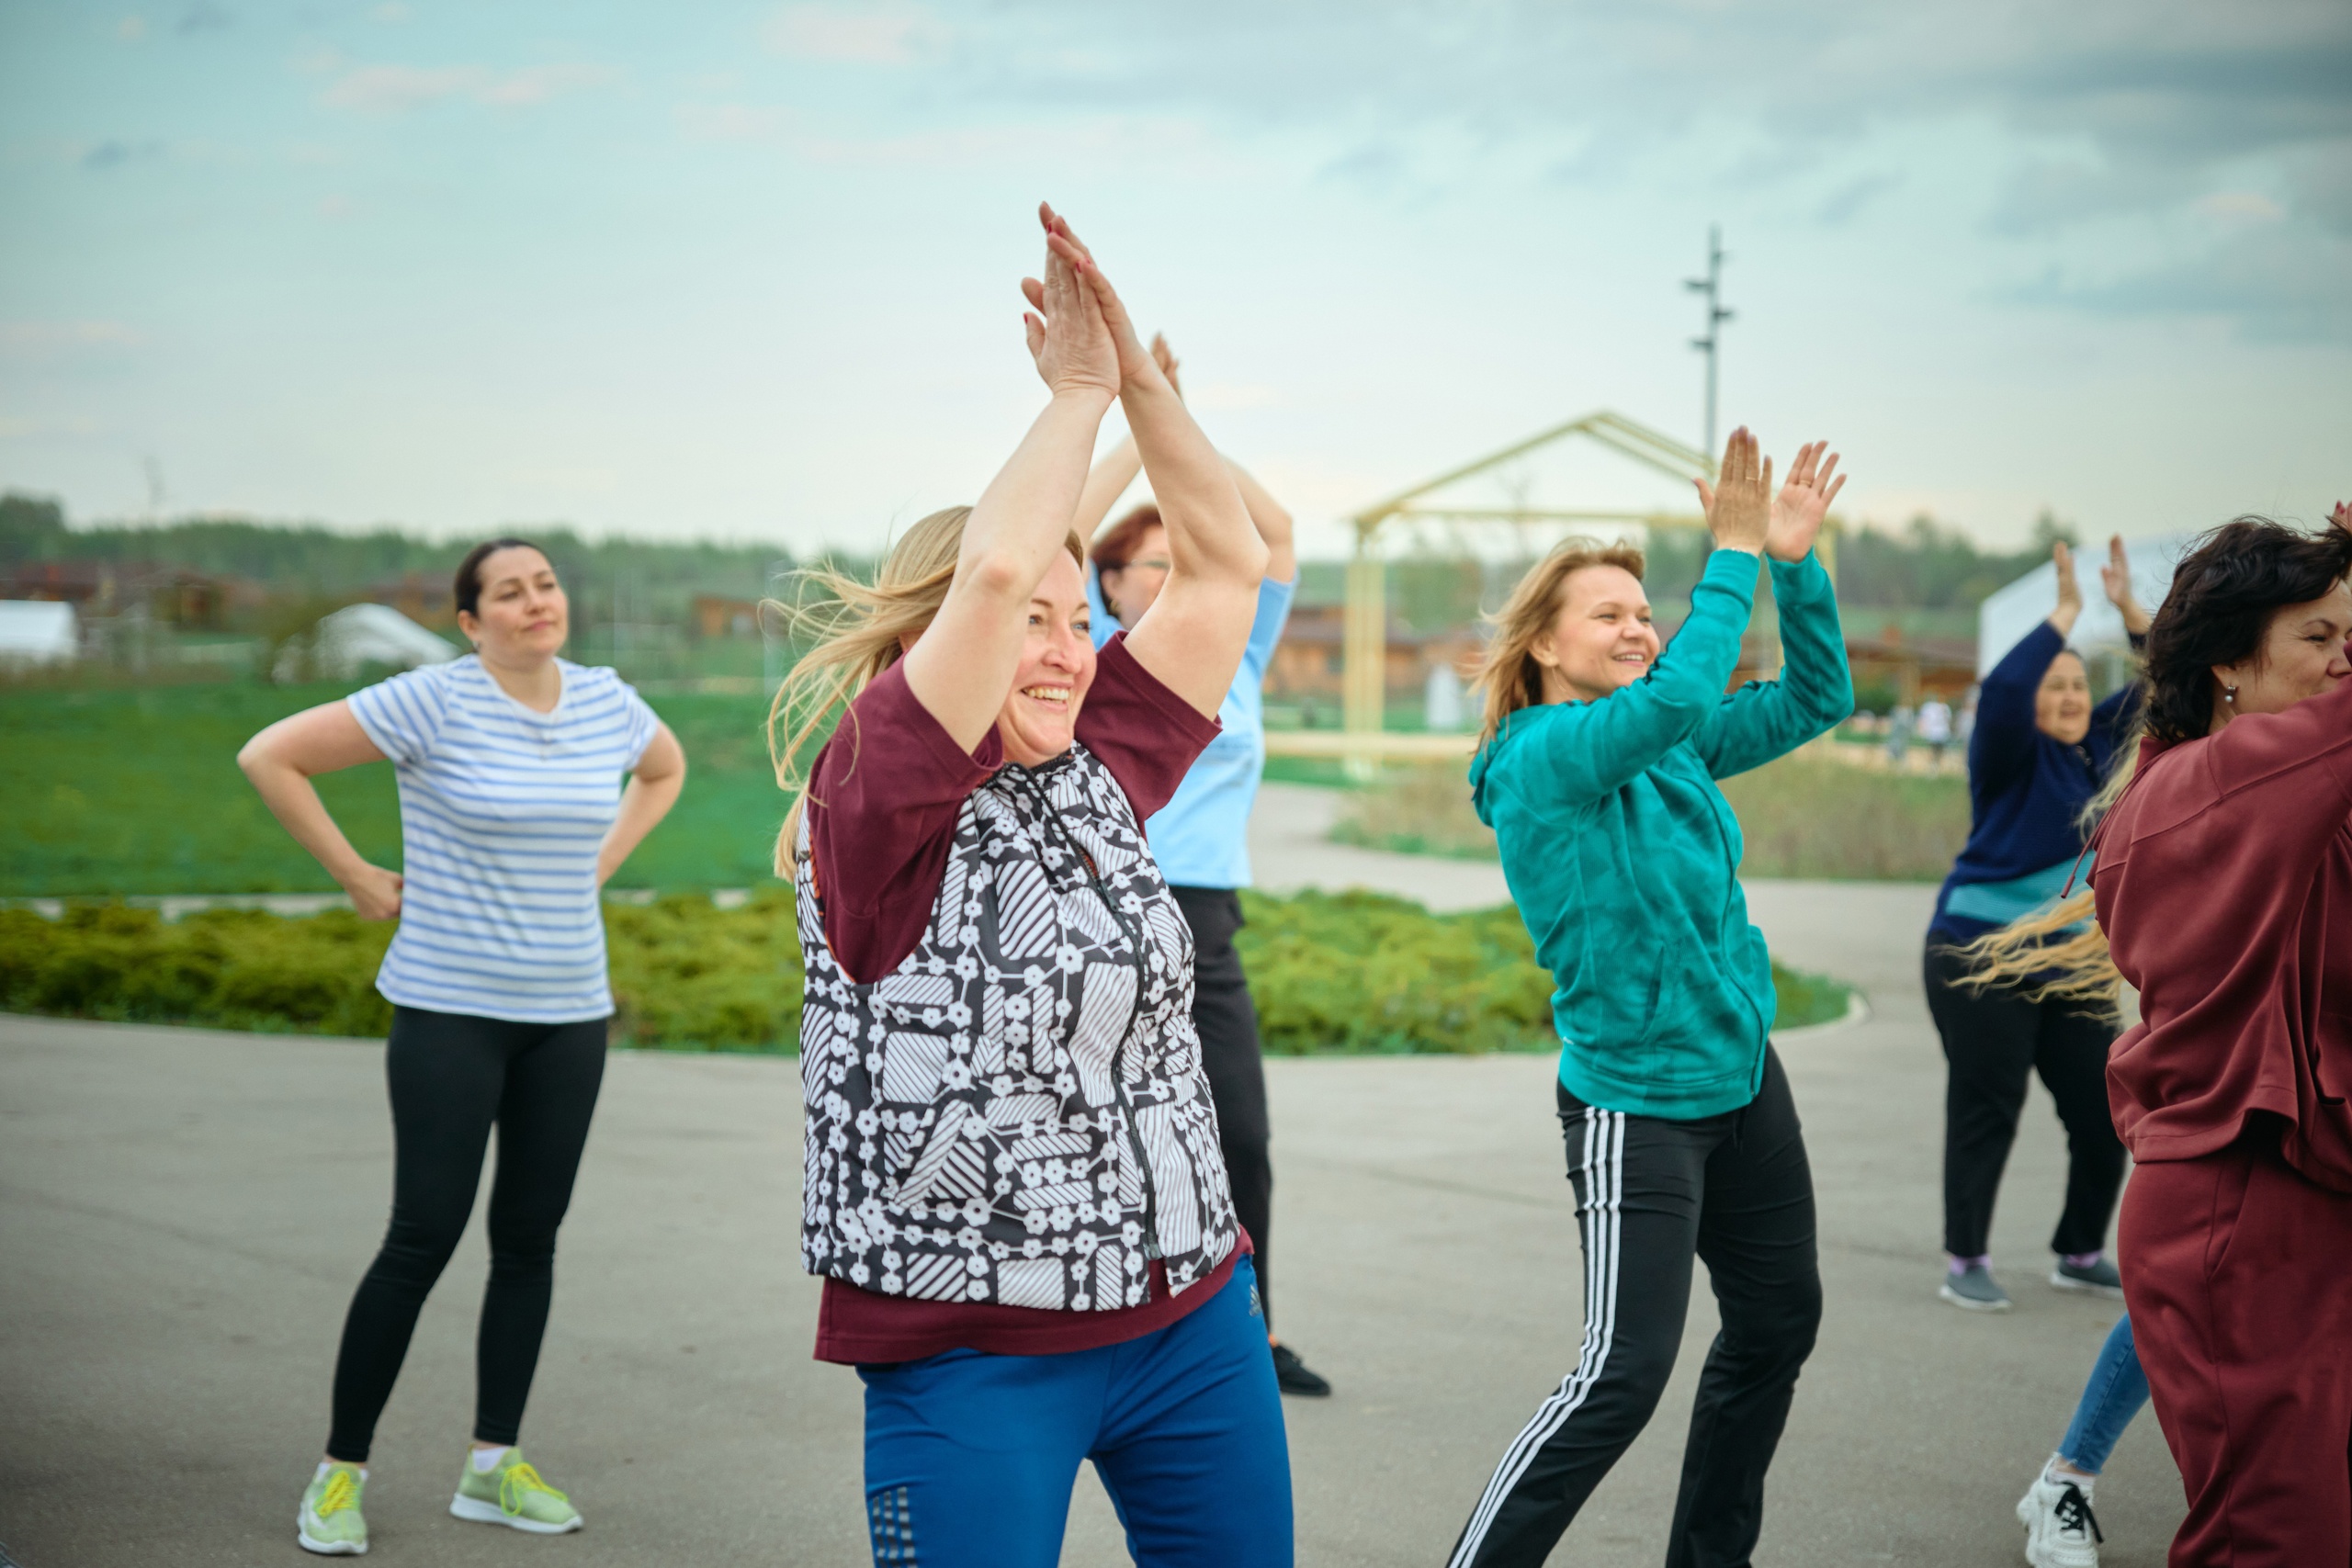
x=1106, y=481
x=652, y=789
x=1272, y=521
x=1192, y=638
x=282, y=760
x=962, y=664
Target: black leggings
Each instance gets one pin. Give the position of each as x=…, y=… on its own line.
x=1994, y=1041
x=1734, y=1190
x=1226, y=1021
x=451, y=1077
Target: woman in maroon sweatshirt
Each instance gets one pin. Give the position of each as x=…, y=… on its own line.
x=2224, y=884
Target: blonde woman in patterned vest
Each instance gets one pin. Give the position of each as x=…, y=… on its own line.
x=1012, y=1182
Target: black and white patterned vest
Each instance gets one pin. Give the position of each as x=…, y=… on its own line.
x=1017, y=1113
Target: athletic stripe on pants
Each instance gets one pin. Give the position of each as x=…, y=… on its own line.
x=1653, y=1196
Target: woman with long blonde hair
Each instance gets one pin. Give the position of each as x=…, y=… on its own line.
x=1012, y=1183
x=1596, y=771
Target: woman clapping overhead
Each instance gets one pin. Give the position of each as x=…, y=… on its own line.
x=1598, y=774
x=1014, y=1188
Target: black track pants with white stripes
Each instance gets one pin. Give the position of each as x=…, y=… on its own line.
x=1736, y=1191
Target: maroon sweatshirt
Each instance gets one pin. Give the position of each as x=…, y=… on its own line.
x=2224, y=884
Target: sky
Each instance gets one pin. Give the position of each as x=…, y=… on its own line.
x=750, y=271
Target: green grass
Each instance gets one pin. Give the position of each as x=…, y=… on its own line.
x=1349, y=973
x=1800, y=816
x=124, y=791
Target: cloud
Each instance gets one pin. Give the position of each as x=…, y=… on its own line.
x=396, y=89
x=887, y=34
x=51, y=342
x=1849, y=201
x=2274, y=286
x=114, y=154
x=733, y=122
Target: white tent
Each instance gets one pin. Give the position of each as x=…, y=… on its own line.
x=357, y=636
x=2006, y=614
x=37, y=631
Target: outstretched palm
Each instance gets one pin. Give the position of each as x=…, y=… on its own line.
x=1803, y=502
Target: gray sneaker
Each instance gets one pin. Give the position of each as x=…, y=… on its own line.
x=1974, y=1290
x=2100, y=1279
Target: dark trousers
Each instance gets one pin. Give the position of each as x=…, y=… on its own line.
x=452, y=1078
x=1227, y=1023
x=1737, y=1191
x=1994, y=1040
x=2241, y=1304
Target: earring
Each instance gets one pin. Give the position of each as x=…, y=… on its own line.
x=2230, y=695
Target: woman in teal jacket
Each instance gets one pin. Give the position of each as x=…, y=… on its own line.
x=1598, y=774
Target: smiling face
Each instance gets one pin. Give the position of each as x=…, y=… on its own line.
x=2061, y=704
x=1039, y=718
x=2302, y=654
x=524, y=617
x=1601, y=639
x=1129, y=590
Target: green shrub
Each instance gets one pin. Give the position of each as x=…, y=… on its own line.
x=1801, y=817
x=1351, y=972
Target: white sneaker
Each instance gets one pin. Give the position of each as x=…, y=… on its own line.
x=2061, y=1532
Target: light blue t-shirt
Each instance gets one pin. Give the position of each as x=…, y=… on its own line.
x=503, y=811
x=1201, y=838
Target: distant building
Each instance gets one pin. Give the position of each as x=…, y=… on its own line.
x=717, y=616
x=39, y=631
x=356, y=637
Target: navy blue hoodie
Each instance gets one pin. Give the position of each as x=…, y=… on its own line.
x=2026, y=795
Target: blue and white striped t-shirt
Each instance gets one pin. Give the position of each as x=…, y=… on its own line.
x=502, y=813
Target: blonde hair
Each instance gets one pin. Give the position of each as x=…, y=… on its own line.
x=2048, y=942
x=1510, y=675
x=856, y=630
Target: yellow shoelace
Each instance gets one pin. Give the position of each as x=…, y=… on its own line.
x=343, y=1492
x=519, y=1479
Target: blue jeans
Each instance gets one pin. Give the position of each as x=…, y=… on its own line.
x=970, y=1457
x=2116, y=1390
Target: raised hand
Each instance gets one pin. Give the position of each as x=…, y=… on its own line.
x=2115, y=578
x=1069, y=339
x=1165, y=357
x=1739, y=504
x=1137, y=368
x=2070, y=592
x=1803, y=502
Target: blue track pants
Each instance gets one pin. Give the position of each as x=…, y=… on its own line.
x=970, y=1458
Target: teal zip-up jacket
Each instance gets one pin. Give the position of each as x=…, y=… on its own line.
x=1623, y=855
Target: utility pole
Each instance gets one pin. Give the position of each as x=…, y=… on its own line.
x=1711, y=287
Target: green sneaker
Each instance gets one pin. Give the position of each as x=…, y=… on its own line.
x=513, y=1495
x=330, y=1523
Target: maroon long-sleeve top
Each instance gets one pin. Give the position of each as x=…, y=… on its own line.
x=2224, y=884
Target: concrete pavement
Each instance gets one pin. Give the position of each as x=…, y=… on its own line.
x=183, y=1215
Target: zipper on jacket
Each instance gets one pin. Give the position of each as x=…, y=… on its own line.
x=1127, y=1031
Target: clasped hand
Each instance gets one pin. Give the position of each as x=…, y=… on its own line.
x=1079, y=332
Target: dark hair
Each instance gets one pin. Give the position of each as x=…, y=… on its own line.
x=468, y=590
x=1115, y=546
x=2223, y=594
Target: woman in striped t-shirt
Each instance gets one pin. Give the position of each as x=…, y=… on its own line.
x=511, y=818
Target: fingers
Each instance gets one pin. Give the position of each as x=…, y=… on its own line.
x=1035, y=292
x=1801, y=471
x=2063, y=558
x=1706, y=497
x=1767, y=486
x=1034, y=330
x=1830, y=492
x=1821, y=480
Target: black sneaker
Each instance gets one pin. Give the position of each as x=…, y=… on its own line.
x=1294, y=1376
x=2100, y=1279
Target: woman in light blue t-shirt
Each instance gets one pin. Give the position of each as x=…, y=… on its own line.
x=1200, y=836
x=513, y=816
